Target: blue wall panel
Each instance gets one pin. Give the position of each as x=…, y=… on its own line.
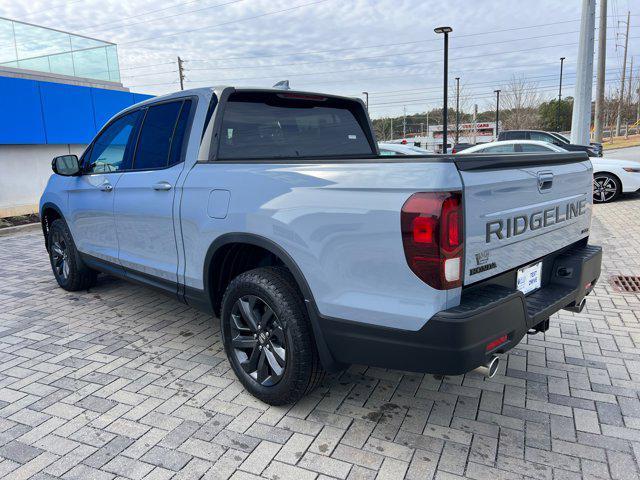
x=35, y=112
x=21, y=118
x=107, y=103
x=68, y=113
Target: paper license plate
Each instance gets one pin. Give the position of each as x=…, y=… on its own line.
x=529, y=278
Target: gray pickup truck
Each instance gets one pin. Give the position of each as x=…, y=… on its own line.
x=275, y=211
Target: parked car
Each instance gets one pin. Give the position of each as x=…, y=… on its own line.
x=390, y=149
x=550, y=137
x=611, y=176
x=275, y=211
x=458, y=147
x=595, y=146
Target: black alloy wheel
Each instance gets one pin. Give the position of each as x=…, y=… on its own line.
x=258, y=340
x=59, y=255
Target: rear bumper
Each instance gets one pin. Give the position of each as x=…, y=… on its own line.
x=454, y=341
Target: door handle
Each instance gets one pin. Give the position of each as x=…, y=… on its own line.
x=106, y=186
x=162, y=186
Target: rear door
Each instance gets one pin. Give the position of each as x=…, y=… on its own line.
x=145, y=209
x=521, y=207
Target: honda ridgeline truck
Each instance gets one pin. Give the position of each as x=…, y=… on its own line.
x=274, y=210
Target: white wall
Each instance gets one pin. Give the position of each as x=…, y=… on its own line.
x=24, y=172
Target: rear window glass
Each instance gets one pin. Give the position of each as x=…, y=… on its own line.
x=269, y=126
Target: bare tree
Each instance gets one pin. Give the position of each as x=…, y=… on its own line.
x=519, y=104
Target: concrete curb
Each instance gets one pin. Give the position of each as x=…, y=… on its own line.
x=4, y=232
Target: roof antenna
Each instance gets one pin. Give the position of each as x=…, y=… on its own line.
x=282, y=85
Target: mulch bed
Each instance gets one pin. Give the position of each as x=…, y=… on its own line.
x=19, y=220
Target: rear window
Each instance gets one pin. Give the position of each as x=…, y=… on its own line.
x=283, y=125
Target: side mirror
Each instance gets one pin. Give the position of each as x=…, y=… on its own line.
x=66, y=165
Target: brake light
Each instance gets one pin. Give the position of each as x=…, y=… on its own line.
x=496, y=343
x=432, y=237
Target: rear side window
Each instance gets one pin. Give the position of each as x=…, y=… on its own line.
x=498, y=149
x=541, y=137
x=272, y=125
x=527, y=148
x=162, y=135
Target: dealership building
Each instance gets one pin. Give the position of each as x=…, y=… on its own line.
x=57, y=89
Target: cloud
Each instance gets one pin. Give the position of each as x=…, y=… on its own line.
x=379, y=46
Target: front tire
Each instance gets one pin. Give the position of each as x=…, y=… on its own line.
x=268, y=338
x=606, y=188
x=70, y=272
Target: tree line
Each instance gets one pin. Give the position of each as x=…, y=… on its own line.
x=521, y=107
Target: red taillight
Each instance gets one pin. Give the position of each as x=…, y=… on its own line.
x=496, y=343
x=432, y=237
x=453, y=151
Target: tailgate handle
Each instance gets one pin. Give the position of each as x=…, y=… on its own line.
x=545, y=180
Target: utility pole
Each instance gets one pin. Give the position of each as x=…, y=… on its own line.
x=457, y=109
x=181, y=72
x=497, y=92
x=391, y=129
x=404, y=123
x=366, y=96
x=475, y=122
x=559, y=96
x=602, y=59
x=624, y=71
x=581, y=116
x=630, y=81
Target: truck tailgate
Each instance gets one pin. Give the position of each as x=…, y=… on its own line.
x=521, y=207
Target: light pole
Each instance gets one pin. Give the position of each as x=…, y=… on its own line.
x=559, y=96
x=445, y=121
x=497, y=92
x=457, y=108
x=366, y=102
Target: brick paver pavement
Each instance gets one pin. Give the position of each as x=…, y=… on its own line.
x=123, y=382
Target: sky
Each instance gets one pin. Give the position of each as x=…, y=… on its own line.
x=385, y=47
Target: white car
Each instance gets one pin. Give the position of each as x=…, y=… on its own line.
x=400, y=149
x=611, y=176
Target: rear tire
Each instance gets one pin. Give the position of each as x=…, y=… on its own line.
x=606, y=188
x=268, y=337
x=70, y=271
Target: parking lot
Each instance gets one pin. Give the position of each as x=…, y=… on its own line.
x=124, y=382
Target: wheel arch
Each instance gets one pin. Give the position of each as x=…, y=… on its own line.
x=217, y=254
x=48, y=213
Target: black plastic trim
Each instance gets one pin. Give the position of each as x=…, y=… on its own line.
x=489, y=161
x=454, y=341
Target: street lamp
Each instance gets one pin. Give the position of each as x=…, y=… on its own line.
x=497, y=92
x=559, y=96
x=457, y=109
x=445, y=121
x=366, y=96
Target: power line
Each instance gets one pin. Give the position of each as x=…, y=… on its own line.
x=253, y=17
x=169, y=16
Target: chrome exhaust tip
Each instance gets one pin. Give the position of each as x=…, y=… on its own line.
x=490, y=368
x=577, y=308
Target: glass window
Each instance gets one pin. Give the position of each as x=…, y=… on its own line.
x=109, y=152
x=282, y=125
x=154, y=144
x=541, y=137
x=498, y=149
x=388, y=153
x=526, y=147
x=175, y=155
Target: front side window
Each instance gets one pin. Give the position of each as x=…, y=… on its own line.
x=161, y=136
x=109, y=152
x=260, y=125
